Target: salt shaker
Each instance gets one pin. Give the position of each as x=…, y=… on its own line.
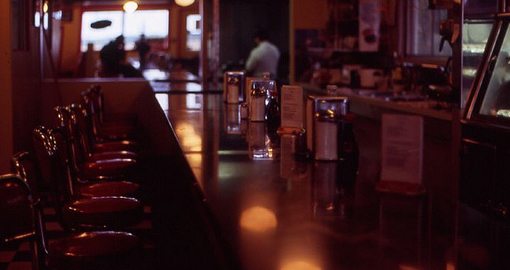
x=326, y=135
x=258, y=104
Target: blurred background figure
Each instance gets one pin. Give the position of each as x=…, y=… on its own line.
x=143, y=48
x=113, y=60
x=264, y=57
x=112, y=55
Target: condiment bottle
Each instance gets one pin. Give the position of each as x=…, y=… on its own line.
x=326, y=135
x=257, y=104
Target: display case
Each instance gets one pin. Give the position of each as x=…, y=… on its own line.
x=474, y=38
x=478, y=21
x=485, y=158
x=489, y=101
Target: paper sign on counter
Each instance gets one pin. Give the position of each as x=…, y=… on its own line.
x=292, y=106
x=402, y=148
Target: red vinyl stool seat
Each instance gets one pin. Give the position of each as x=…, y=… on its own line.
x=110, y=168
x=93, y=250
x=102, y=212
x=109, y=146
x=115, y=188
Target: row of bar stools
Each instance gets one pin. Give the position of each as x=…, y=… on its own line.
x=22, y=218
x=77, y=212
x=84, y=164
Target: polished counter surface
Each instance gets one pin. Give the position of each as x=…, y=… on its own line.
x=276, y=212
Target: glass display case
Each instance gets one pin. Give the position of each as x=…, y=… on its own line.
x=478, y=21
x=474, y=38
x=489, y=101
x=484, y=212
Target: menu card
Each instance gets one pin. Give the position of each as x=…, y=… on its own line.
x=402, y=148
x=292, y=106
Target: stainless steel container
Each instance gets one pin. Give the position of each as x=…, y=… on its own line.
x=326, y=135
x=233, y=87
x=316, y=104
x=260, y=90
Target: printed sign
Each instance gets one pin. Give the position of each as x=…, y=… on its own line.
x=402, y=148
x=292, y=106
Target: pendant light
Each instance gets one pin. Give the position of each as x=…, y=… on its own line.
x=184, y=3
x=130, y=6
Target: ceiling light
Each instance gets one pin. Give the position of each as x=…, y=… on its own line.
x=45, y=7
x=130, y=6
x=184, y=3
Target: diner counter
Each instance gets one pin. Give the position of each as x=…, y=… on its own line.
x=276, y=212
x=364, y=101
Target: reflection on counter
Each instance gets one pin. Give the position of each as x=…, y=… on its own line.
x=333, y=189
x=258, y=219
x=261, y=147
x=232, y=120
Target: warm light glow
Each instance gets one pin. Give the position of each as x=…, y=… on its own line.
x=188, y=137
x=130, y=6
x=300, y=265
x=258, y=219
x=407, y=267
x=184, y=3
x=45, y=7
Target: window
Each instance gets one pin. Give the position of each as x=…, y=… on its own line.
x=193, y=32
x=422, y=29
x=152, y=23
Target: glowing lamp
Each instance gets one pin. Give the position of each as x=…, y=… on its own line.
x=184, y=3
x=130, y=6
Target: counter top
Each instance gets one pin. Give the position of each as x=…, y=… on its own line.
x=279, y=213
x=368, y=97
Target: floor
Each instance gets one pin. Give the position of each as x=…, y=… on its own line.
x=17, y=255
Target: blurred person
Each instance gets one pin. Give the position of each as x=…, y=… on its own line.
x=264, y=57
x=143, y=48
x=113, y=60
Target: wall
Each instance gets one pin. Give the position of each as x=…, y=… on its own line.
x=19, y=85
x=6, y=102
x=71, y=34
x=305, y=14
x=310, y=14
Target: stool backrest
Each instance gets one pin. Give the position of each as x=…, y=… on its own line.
x=53, y=163
x=16, y=208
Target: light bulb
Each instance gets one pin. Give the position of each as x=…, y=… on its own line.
x=184, y=3
x=130, y=6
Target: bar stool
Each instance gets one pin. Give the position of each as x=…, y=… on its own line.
x=24, y=165
x=113, y=165
x=78, y=130
x=120, y=128
x=83, y=122
x=22, y=219
x=74, y=212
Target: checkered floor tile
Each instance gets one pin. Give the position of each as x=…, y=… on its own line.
x=17, y=255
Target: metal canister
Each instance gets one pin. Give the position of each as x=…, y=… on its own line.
x=258, y=103
x=233, y=86
x=326, y=135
